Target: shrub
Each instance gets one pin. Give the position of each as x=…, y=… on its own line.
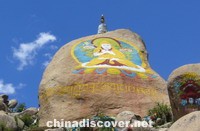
x=104, y=118
x=162, y=111
x=27, y=119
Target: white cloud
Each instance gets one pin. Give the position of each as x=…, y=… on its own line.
x=20, y=86
x=46, y=63
x=49, y=57
x=53, y=47
x=6, y=88
x=27, y=51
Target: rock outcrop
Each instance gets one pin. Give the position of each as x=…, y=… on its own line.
x=6, y=104
x=184, y=90
x=30, y=111
x=12, y=103
x=189, y=122
x=106, y=73
x=127, y=116
x=7, y=121
x=13, y=119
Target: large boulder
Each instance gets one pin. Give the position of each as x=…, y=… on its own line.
x=106, y=73
x=4, y=97
x=3, y=106
x=12, y=103
x=7, y=121
x=189, y=122
x=30, y=111
x=127, y=116
x=184, y=90
x=20, y=123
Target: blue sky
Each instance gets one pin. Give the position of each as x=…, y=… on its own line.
x=170, y=29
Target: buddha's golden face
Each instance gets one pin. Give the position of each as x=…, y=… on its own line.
x=106, y=46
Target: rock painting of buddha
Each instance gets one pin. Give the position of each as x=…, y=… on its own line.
x=108, y=55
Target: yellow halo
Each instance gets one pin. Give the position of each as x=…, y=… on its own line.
x=98, y=41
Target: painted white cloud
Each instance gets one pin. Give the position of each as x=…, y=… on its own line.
x=27, y=51
x=6, y=88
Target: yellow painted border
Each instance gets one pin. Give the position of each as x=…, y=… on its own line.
x=119, y=39
x=77, y=90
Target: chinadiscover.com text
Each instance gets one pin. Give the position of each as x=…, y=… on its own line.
x=89, y=123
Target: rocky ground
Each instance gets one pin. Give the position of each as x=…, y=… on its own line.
x=12, y=120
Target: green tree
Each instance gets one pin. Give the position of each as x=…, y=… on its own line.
x=20, y=107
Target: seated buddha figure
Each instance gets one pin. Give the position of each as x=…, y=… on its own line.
x=106, y=55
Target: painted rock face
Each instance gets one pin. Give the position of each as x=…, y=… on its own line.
x=184, y=93
x=106, y=73
x=106, y=55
